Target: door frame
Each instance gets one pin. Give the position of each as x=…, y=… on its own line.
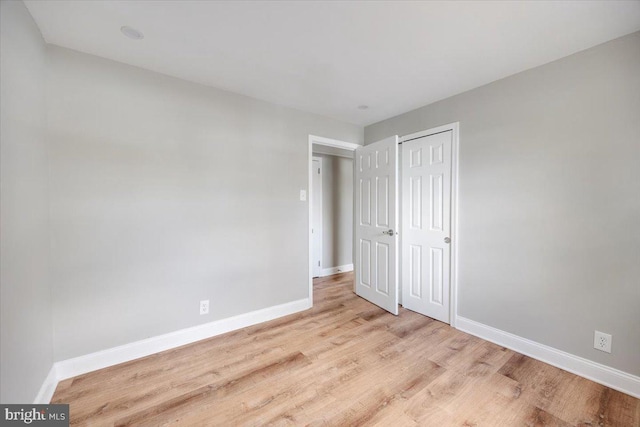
x=455, y=234
x=327, y=142
x=319, y=231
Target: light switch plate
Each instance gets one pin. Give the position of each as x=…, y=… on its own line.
x=303, y=195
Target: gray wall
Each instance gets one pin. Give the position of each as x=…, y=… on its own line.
x=549, y=200
x=26, y=346
x=337, y=210
x=164, y=193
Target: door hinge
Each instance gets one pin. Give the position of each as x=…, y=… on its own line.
x=318, y=263
x=318, y=171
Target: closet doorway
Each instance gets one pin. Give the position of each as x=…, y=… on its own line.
x=406, y=222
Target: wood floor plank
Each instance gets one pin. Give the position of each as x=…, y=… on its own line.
x=342, y=362
x=210, y=394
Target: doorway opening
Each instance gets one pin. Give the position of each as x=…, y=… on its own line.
x=332, y=153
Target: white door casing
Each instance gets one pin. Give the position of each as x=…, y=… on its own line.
x=316, y=216
x=376, y=212
x=426, y=224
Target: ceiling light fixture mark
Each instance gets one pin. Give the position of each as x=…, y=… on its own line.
x=132, y=33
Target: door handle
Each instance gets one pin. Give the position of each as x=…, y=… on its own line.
x=389, y=232
x=447, y=240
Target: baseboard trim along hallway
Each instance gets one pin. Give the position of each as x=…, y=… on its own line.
x=335, y=270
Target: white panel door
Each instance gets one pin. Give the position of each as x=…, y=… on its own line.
x=426, y=224
x=376, y=175
x=316, y=216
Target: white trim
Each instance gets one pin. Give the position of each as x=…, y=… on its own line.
x=399, y=222
x=455, y=236
x=81, y=365
x=333, y=143
x=353, y=221
x=313, y=139
x=335, y=270
x=455, y=230
x=312, y=197
x=431, y=131
x=593, y=371
x=330, y=151
x=48, y=388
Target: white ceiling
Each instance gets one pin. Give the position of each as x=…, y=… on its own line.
x=329, y=57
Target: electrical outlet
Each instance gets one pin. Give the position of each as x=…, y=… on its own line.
x=602, y=341
x=204, y=306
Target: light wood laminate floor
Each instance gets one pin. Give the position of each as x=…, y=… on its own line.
x=343, y=363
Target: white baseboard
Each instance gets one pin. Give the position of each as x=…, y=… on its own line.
x=69, y=368
x=336, y=270
x=81, y=365
x=610, y=377
x=48, y=387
